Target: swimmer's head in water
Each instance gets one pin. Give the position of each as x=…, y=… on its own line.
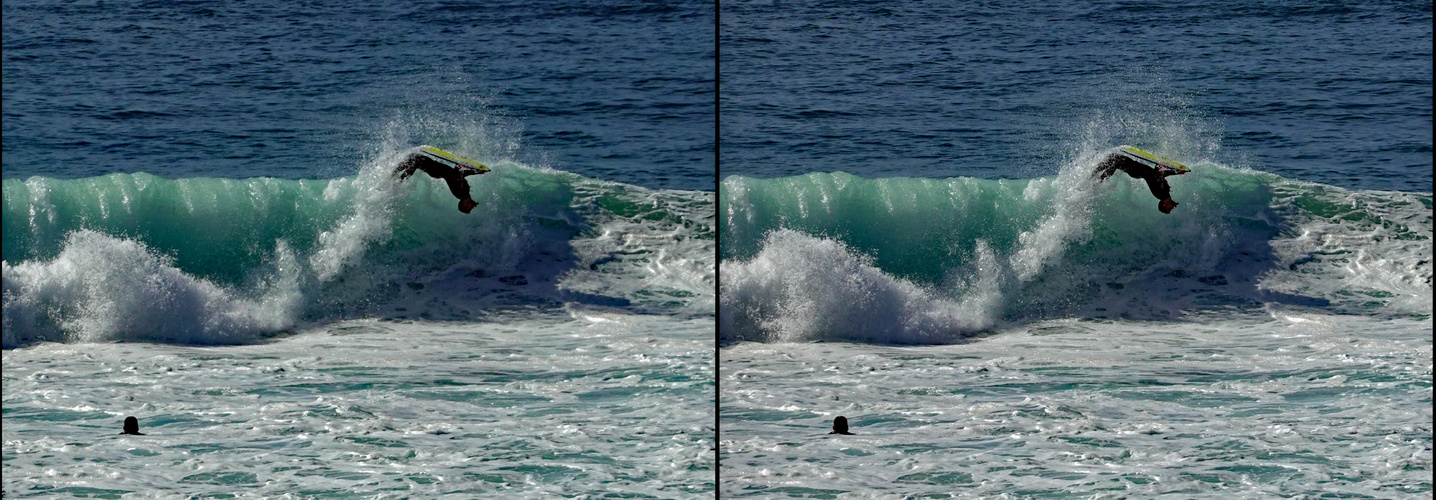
x=467, y=205
x=840, y=426
x=1166, y=205
x=132, y=426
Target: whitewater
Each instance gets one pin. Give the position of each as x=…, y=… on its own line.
x=1060, y=337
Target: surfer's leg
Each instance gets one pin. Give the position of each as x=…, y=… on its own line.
x=427, y=165
x=1107, y=167
x=407, y=167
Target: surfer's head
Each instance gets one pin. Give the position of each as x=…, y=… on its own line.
x=467, y=205
x=1166, y=205
x=132, y=426
x=840, y=426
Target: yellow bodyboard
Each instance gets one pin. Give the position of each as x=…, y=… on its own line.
x=1151, y=159
x=452, y=159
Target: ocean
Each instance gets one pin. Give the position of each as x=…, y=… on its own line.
x=910, y=237
x=201, y=230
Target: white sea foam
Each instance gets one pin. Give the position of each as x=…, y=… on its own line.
x=370, y=195
x=533, y=406
x=1068, y=221
x=102, y=288
x=800, y=287
x=664, y=249
x=1101, y=409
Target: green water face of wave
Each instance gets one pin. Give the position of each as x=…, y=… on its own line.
x=221, y=229
x=954, y=255
x=223, y=260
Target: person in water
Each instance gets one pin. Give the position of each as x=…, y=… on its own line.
x=1156, y=177
x=132, y=427
x=454, y=177
x=840, y=426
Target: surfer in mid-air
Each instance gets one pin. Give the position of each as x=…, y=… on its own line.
x=1156, y=177
x=452, y=176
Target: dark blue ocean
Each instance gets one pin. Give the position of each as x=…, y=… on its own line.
x=910, y=237
x=1330, y=92
x=201, y=230
x=291, y=89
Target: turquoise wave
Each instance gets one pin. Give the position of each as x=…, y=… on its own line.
x=930, y=260
x=205, y=260
x=220, y=229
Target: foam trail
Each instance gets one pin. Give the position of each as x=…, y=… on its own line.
x=662, y=239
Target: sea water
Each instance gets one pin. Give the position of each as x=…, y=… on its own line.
x=911, y=238
x=201, y=230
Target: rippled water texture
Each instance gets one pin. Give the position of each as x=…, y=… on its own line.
x=518, y=409
x=1332, y=93
x=1295, y=405
x=283, y=89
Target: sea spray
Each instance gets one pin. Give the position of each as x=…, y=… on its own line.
x=1068, y=197
x=371, y=195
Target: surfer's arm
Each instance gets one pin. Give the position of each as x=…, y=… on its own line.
x=1168, y=171
x=1157, y=184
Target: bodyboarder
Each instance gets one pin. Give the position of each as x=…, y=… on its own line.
x=453, y=176
x=1155, y=176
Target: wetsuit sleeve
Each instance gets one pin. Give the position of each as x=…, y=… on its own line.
x=1107, y=167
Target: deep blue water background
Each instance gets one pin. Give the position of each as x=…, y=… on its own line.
x=300, y=89
x=1330, y=92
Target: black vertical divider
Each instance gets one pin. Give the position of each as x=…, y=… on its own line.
x=717, y=245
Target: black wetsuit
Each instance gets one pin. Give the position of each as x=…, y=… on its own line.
x=452, y=176
x=1156, y=180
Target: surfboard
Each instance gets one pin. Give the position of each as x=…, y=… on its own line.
x=452, y=159
x=1152, y=160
